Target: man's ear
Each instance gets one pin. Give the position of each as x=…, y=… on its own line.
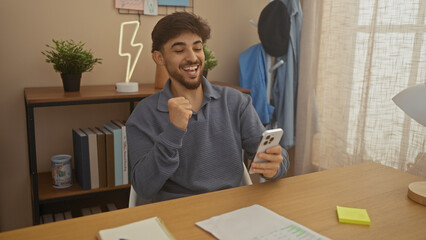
x=158, y=58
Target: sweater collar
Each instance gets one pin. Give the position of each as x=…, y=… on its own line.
x=209, y=93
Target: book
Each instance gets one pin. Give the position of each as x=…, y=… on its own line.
x=118, y=161
x=102, y=162
x=93, y=158
x=59, y=217
x=81, y=158
x=124, y=150
x=151, y=228
x=109, y=155
x=96, y=209
x=353, y=215
x=47, y=218
x=67, y=215
x=111, y=207
x=85, y=212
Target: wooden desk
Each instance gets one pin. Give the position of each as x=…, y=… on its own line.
x=309, y=199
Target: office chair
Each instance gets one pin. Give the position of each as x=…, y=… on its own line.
x=135, y=200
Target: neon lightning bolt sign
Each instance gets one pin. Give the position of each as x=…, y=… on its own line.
x=128, y=55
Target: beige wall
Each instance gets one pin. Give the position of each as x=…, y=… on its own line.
x=26, y=26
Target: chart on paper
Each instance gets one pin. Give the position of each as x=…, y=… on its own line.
x=239, y=225
x=290, y=232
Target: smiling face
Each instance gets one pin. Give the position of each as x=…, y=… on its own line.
x=183, y=58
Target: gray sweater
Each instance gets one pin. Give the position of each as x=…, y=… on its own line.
x=167, y=162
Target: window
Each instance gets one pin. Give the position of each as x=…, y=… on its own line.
x=369, y=51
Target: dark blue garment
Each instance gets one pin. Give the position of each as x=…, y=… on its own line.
x=284, y=90
x=253, y=76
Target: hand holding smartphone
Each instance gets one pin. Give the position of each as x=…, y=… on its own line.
x=270, y=138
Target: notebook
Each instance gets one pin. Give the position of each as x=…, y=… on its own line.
x=151, y=228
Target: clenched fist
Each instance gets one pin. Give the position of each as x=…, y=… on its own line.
x=180, y=111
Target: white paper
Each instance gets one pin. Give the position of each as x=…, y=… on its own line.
x=150, y=228
x=256, y=223
x=150, y=7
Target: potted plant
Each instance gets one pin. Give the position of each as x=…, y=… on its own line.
x=71, y=60
x=210, y=60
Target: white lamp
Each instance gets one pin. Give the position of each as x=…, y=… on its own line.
x=412, y=101
x=128, y=86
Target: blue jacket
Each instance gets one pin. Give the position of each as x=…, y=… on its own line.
x=253, y=76
x=284, y=90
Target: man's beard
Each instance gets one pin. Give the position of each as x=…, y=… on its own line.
x=181, y=79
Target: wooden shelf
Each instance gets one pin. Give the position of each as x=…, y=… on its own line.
x=48, y=192
x=36, y=95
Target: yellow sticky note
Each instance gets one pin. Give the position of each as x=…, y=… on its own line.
x=353, y=215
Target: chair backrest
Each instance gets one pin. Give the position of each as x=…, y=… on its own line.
x=136, y=200
x=246, y=180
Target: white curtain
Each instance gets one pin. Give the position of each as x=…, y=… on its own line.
x=355, y=56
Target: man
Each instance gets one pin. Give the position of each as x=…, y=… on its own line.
x=187, y=139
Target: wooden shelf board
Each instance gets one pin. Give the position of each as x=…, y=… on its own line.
x=92, y=92
x=48, y=192
x=35, y=95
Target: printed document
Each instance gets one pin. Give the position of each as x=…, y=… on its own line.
x=256, y=223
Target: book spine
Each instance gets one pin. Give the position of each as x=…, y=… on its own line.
x=125, y=156
x=93, y=158
x=118, y=162
x=102, y=161
x=81, y=158
x=124, y=150
x=109, y=150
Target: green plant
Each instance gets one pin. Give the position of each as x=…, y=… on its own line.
x=70, y=57
x=210, y=60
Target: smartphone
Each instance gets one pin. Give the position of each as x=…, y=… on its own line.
x=270, y=138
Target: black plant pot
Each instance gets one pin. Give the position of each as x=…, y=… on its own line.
x=205, y=73
x=71, y=81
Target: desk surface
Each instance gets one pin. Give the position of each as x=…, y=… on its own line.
x=308, y=199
